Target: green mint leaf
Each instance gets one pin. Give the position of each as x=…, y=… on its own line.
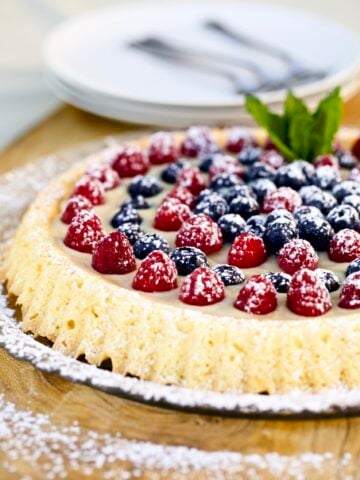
x=294, y=106
x=299, y=134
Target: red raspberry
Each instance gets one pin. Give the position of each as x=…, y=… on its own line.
x=283, y=197
x=84, y=232
x=272, y=158
x=157, y=273
x=247, y=251
x=308, y=295
x=257, y=296
x=345, y=246
x=106, y=175
x=226, y=164
x=350, y=292
x=130, y=161
x=270, y=145
x=171, y=215
x=183, y=195
x=191, y=178
x=202, y=287
x=200, y=232
x=356, y=148
x=162, y=148
x=114, y=254
x=74, y=206
x=326, y=160
x=91, y=189
x=198, y=141
x=297, y=254
x=238, y=139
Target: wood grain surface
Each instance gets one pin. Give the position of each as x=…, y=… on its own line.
x=65, y=402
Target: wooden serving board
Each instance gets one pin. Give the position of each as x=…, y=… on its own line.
x=65, y=402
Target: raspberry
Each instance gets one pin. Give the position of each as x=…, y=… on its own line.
x=74, y=206
x=350, y=292
x=308, y=295
x=114, y=255
x=183, y=195
x=272, y=158
x=225, y=164
x=326, y=161
x=171, y=215
x=345, y=246
x=238, y=139
x=91, y=189
x=130, y=161
x=257, y=296
x=162, y=148
x=297, y=254
x=202, y=287
x=198, y=141
x=84, y=232
x=356, y=148
x=157, y=273
x=191, y=178
x=200, y=232
x=106, y=175
x=284, y=197
x=247, y=251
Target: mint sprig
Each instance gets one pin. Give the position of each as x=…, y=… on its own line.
x=299, y=133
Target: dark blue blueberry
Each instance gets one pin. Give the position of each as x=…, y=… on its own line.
x=278, y=233
x=205, y=163
x=346, y=159
x=326, y=177
x=256, y=225
x=145, y=185
x=259, y=170
x=307, y=192
x=132, y=231
x=307, y=211
x=322, y=200
x=148, y=243
x=280, y=280
x=171, y=172
x=231, y=226
x=317, y=231
x=126, y=214
x=138, y=202
x=343, y=189
x=223, y=181
x=238, y=191
x=244, y=206
x=343, y=216
x=353, y=267
x=214, y=206
x=330, y=280
x=187, y=259
x=262, y=187
x=203, y=194
x=250, y=155
x=353, y=201
x=229, y=275
x=307, y=168
x=291, y=175
x=279, y=213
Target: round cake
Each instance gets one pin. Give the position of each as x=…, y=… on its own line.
x=201, y=259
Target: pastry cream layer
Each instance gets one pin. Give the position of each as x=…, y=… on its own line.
x=155, y=336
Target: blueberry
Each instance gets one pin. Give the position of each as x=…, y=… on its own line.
x=346, y=159
x=307, y=211
x=343, y=189
x=326, y=177
x=317, y=231
x=238, y=191
x=126, y=214
x=353, y=201
x=132, y=231
x=214, y=206
x=280, y=280
x=262, y=187
x=171, y=172
x=322, y=200
x=187, y=259
x=145, y=185
x=204, y=194
x=223, y=181
x=231, y=226
x=292, y=176
x=343, y=216
x=279, y=213
x=148, y=243
x=259, y=170
x=229, y=275
x=205, y=163
x=244, y=206
x=331, y=281
x=307, y=192
x=278, y=233
x=250, y=155
x=256, y=225
x=138, y=202
x=307, y=168
x=353, y=267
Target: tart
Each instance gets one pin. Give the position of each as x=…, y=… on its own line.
x=199, y=259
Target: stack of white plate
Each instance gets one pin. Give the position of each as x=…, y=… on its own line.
x=89, y=63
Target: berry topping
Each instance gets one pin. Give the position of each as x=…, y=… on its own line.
x=272, y=158
x=291, y=175
x=307, y=192
x=191, y=178
x=343, y=189
x=324, y=201
x=201, y=232
x=229, y=274
x=326, y=177
x=238, y=139
x=260, y=170
x=132, y=231
x=84, y=231
x=213, y=206
x=307, y=211
x=231, y=226
x=130, y=161
x=353, y=201
x=297, y=254
x=149, y=242
x=114, y=255
x=256, y=225
x=238, y=191
x=250, y=155
x=126, y=214
x=345, y=246
x=326, y=161
x=356, y=148
x=171, y=215
x=343, y=216
x=280, y=280
x=145, y=185
x=353, y=267
x=244, y=206
x=223, y=181
x=350, y=292
x=198, y=141
x=171, y=172
x=225, y=164
x=138, y=202
x=262, y=187
x=162, y=148
x=285, y=215
x=106, y=175
x=74, y=206
x=346, y=159
x=307, y=295
x=355, y=175
x=257, y=296
x=279, y=232
x=247, y=251
x=205, y=162
x=330, y=280
x=317, y=231
x=157, y=273
x=187, y=259
x=284, y=197
x=202, y=287
x=183, y=195
x=91, y=189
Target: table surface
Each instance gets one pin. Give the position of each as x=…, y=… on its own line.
x=65, y=402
